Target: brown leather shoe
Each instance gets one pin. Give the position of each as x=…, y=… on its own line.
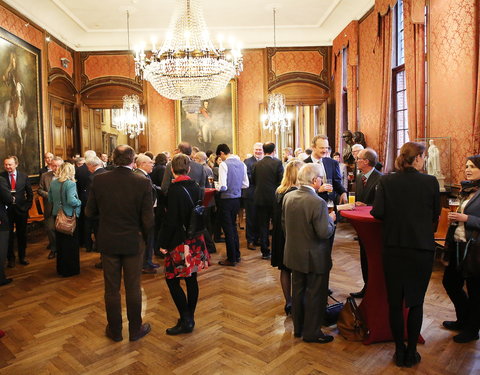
x=110, y=335
x=143, y=331
x=251, y=246
x=226, y=262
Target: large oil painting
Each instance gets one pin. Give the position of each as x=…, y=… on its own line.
x=20, y=102
x=215, y=123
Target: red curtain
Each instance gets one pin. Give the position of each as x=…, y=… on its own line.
x=476, y=120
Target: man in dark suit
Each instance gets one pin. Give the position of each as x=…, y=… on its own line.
x=251, y=230
x=266, y=175
x=197, y=173
x=5, y=200
x=43, y=187
x=123, y=202
x=22, y=199
x=308, y=227
x=330, y=170
x=82, y=175
x=365, y=187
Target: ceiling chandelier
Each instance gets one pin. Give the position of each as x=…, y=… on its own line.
x=188, y=67
x=131, y=121
x=277, y=116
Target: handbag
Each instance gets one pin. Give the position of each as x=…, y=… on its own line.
x=332, y=312
x=350, y=323
x=63, y=223
x=470, y=264
x=196, y=224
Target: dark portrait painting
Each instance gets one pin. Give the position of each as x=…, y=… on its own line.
x=215, y=123
x=20, y=109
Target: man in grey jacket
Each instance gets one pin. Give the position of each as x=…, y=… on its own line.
x=308, y=227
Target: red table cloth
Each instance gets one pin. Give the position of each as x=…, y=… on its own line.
x=207, y=198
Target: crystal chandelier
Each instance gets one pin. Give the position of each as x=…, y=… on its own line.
x=131, y=121
x=277, y=116
x=188, y=67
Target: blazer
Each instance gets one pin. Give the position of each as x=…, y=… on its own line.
x=197, y=173
x=70, y=197
x=5, y=200
x=266, y=175
x=123, y=203
x=249, y=192
x=23, y=192
x=332, y=170
x=157, y=174
x=179, y=209
x=408, y=202
x=147, y=176
x=82, y=175
x=472, y=209
x=43, y=188
x=366, y=194
x=308, y=228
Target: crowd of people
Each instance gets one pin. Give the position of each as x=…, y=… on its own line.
x=299, y=196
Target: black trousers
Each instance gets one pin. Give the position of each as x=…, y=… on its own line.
x=68, y=254
x=131, y=266
x=3, y=252
x=229, y=210
x=251, y=228
x=363, y=262
x=18, y=221
x=309, y=301
x=467, y=305
x=264, y=216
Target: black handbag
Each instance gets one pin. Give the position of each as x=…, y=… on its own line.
x=470, y=263
x=332, y=312
x=196, y=224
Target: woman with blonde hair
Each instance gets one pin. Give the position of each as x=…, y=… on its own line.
x=63, y=194
x=288, y=184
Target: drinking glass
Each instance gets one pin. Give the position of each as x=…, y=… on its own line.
x=330, y=206
x=454, y=203
x=351, y=198
x=328, y=184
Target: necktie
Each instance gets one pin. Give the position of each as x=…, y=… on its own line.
x=13, y=183
x=364, y=180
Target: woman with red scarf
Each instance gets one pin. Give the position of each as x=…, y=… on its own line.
x=184, y=256
x=462, y=268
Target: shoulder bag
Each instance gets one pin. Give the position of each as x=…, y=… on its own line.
x=332, y=312
x=350, y=323
x=196, y=220
x=63, y=223
x=470, y=264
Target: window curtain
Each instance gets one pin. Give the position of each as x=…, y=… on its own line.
x=414, y=33
x=476, y=120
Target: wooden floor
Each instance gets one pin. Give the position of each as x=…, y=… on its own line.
x=56, y=326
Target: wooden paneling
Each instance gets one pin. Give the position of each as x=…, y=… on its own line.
x=85, y=129
x=97, y=131
x=62, y=125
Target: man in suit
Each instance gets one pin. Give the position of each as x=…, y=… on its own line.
x=266, y=175
x=197, y=172
x=43, y=187
x=365, y=183
x=123, y=202
x=330, y=169
x=308, y=227
x=82, y=175
x=144, y=168
x=46, y=168
x=22, y=199
x=5, y=200
x=251, y=230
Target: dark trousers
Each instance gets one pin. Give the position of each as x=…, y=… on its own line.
x=82, y=230
x=309, y=301
x=264, y=216
x=229, y=211
x=217, y=218
x=467, y=306
x=131, y=266
x=251, y=228
x=49, y=224
x=148, y=254
x=90, y=227
x=68, y=254
x=18, y=221
x=363, y=263
x=3, y=252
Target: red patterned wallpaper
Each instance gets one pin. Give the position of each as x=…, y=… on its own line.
x=55, y=53
x=109, y=65
x=250, y=96
x=161, y=121
x=452, y=63
x=297, y=61
x=16, y=25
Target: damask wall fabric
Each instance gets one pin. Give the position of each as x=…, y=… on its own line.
x=55, y=53
x=109, y=65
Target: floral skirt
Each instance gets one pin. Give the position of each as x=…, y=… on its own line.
x=187, y=258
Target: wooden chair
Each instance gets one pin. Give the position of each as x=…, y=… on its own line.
x=34, y=214
x=441, y=233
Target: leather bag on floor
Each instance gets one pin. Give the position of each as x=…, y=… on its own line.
x=350, y=323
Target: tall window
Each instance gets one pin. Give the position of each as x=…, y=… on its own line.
x=399, y=97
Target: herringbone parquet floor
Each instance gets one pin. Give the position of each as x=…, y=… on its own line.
x=56, y=326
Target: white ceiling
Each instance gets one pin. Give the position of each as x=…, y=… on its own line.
x=90, y=25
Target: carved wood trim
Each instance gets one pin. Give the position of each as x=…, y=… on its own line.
x=112, y=81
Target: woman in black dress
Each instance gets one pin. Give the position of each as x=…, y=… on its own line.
x=289, y=183
x=408, y=202
x=184, y=256
x=460, y=270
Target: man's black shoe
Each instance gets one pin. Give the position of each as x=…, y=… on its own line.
x=6, y=282
x=144, y=330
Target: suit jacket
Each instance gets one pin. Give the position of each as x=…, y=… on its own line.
x=43, y=170
x=123, y=202
x=472, y=209
x=197, y=173
x=23, y=193
x=157, y=174
x=249, y=192
x=43, y=188
x=308, y=228
x=366, y=194
x=82, y=175
x=408, y=202
x=266, y=175
x=5, y=200
x=69, y=195
x=332, y=169
x=144, y=175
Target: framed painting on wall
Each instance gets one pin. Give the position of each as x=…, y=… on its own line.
x=215, y=123
x=20, y=103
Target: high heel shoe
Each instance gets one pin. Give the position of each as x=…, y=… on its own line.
x=288, y=309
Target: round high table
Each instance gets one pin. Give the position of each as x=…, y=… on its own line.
x=374, y=306
x=209, y=194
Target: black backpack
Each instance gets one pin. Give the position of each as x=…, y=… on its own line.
x=196, y=223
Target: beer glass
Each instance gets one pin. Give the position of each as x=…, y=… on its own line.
x=351, y=198
x=454, y=203
x=328, y=184
x=330, y=206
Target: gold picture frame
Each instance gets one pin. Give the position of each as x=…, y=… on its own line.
x=217, y=121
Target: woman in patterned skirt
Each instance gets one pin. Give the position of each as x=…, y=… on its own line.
x=184, y=256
